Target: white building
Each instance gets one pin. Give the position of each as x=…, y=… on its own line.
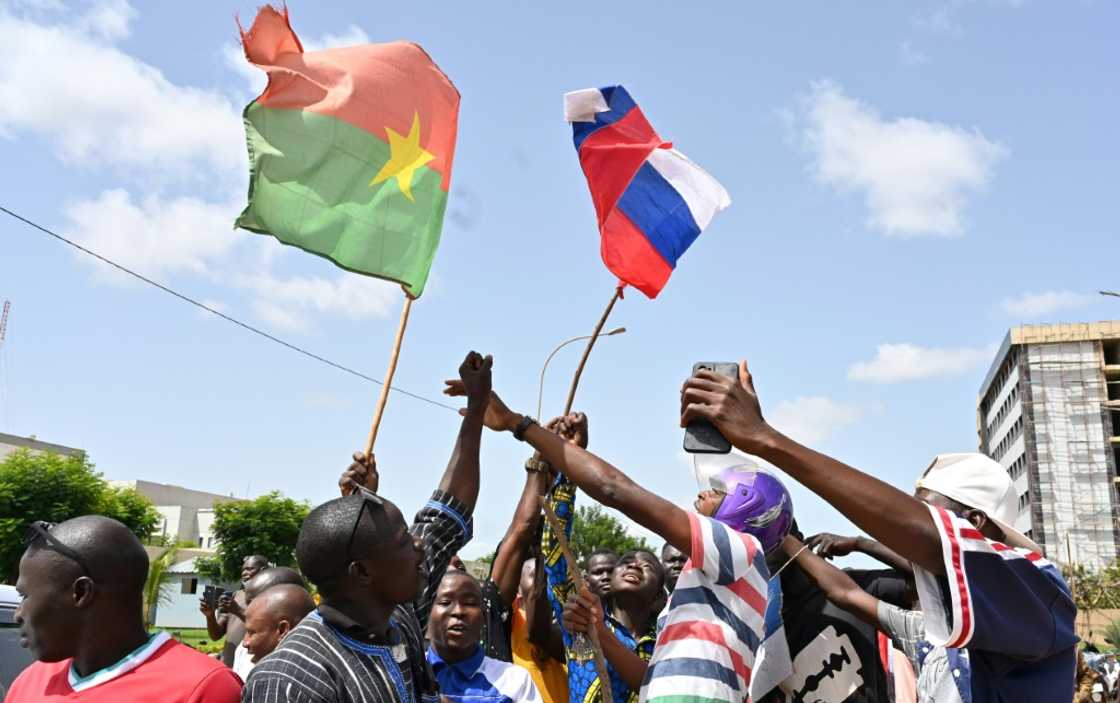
x=1049, y=412
x=187, y=514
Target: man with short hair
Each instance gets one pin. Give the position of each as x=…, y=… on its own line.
x=271, y=616
x=82, y=585
x=598, y=569
x=464, y=672
x=673, y=561
x=243, y=660
x=377, y=579
x=986, y=591
x=228, y=620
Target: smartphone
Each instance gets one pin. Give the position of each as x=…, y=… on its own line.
x=210, y=594
x=701, y=436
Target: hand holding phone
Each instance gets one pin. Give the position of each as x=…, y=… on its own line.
x=701, y=436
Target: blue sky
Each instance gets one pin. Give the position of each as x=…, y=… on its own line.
x=908, y=181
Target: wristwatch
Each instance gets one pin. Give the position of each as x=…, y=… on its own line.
x=535, y=465
x=522, y=427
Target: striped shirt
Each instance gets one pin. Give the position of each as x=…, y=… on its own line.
x=706, y=650
x=481, y=679
x=328, y=657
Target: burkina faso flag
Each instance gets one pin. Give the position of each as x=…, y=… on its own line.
x=350, y=151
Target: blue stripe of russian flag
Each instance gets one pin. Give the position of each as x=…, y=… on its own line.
x=658, y=210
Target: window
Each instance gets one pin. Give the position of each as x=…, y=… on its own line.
x=190, y=585
x=200, y=541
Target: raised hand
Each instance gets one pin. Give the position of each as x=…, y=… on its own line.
x=227, y=604
x=729, y=404
x=573, y=428
x=361, y=472
x=474, y=372
x=583, y=612
x=204, y=608
x=828, y=545
x=498, y=416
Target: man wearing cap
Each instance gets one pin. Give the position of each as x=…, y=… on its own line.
x=984, y=587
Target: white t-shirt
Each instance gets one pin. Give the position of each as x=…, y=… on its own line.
x=242, y=662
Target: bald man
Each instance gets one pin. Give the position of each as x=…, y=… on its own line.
x=243, y=661
x=271, y=615
x=82, y=617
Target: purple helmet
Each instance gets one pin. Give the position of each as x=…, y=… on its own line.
x=757, y=503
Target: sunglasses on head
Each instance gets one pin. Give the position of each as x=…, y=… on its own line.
x=41, y=530
x=368, y=498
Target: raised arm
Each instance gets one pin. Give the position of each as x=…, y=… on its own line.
x=513, y=550
x=899, y=521
x=543, y=632
x=596, y=477
x=460, y=479
x=838, y=587
x=828, y=545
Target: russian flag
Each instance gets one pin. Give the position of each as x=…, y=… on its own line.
x=650, y=200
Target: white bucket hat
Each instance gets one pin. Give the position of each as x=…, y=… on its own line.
x=979, y=482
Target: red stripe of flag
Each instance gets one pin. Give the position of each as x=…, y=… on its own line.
x=631, y=257
x=611, y=156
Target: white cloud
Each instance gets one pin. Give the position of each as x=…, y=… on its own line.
x=909, y=362
x=108, y=19
x=97, y=105
x=287, y=301
x=915, y=175
x=911, y=56
x=255, y=79
x=1029, y=305
x=155, y=236
x=812, y=419
x=353, y=34
x=136, y=120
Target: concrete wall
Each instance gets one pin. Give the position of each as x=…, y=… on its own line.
x=182, y=610
x=11, y=443
x=1091, y=625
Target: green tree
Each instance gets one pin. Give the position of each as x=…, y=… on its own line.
x=55, y=488
x=268, y=525
x=594, y=527
x=155, y=591
x=1093, y=590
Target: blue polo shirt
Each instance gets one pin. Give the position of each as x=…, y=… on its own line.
x=481, y=679
x=1009, y=608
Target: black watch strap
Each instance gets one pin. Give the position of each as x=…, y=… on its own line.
x=522, y=427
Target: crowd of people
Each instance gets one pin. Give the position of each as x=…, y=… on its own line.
x=738, y=605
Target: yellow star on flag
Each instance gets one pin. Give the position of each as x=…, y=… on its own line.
x=405, y=156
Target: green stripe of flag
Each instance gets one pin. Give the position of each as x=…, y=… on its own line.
x=310, y=187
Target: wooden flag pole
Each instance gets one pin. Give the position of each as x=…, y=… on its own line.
x=577, y=580
x=385, y=387
x=587, y=351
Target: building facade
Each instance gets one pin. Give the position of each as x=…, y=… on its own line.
x=188, y=515
x=1049, y=412
x=10, y=443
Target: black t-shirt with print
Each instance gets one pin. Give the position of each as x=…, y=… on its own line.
x=496, y=623
x=835, y=654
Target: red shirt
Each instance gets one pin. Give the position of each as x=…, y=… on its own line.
x=162, y=671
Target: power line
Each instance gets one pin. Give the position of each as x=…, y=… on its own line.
x=207, y=308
